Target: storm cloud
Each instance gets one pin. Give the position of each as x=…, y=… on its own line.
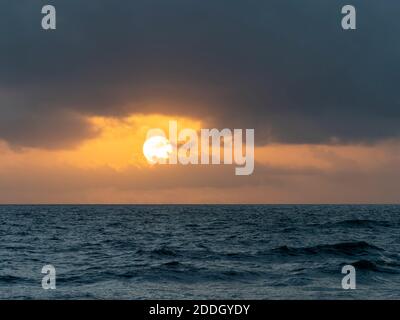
x=285, y=68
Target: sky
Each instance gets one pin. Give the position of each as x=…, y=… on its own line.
x=76, y=102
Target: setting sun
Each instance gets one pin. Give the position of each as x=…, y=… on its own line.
x=157, y=148
x=119, y=143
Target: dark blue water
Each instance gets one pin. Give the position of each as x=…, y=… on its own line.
x=200, y=252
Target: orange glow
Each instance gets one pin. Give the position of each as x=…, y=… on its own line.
x=111, y=168
x=120, y=141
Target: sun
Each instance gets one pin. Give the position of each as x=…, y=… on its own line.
x=157, y=148
x=118, y=142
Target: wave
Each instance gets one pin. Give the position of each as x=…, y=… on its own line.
x=342, y=248
x=354, y=223
x=365, y=265
x=9, y=279
x=162, y=251
x=363, y=223
x=376, y=266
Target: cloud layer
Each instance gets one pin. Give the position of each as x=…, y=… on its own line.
x=285, y=68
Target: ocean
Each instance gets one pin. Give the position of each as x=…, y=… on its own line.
x=200, y=251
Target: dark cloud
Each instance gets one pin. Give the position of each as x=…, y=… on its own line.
x=285, y=68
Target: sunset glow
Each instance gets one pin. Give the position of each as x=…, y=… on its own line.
x=119, y=142
x=157, y=148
